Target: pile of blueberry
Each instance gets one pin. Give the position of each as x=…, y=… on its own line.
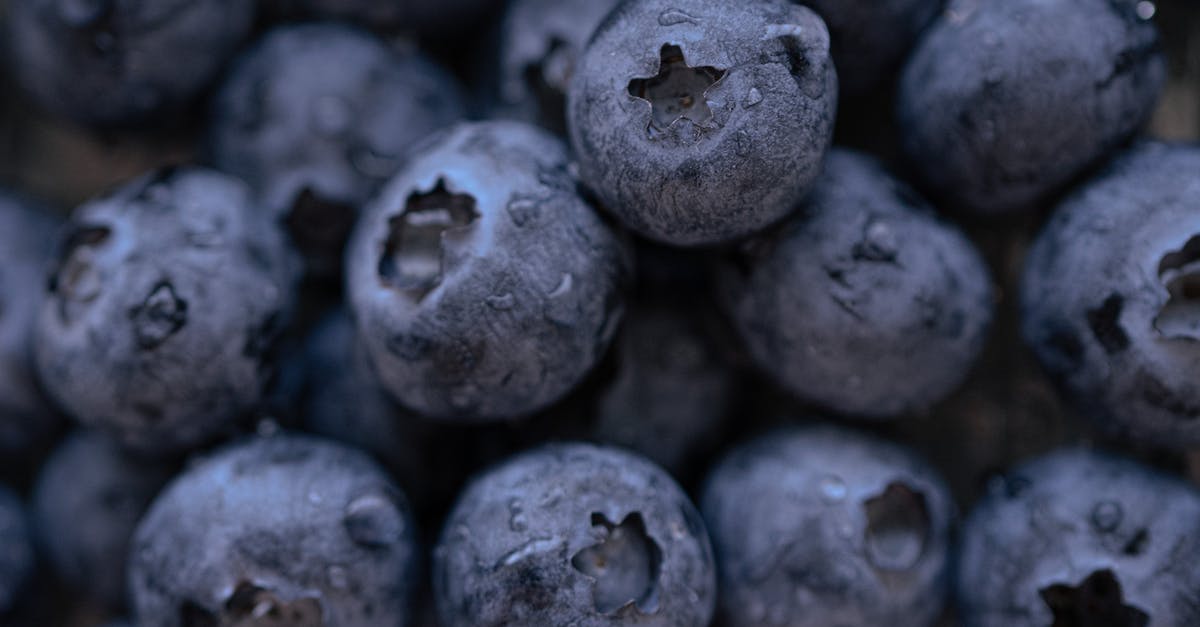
x=595, y=313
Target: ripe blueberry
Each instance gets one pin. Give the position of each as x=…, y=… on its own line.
x=701, y=122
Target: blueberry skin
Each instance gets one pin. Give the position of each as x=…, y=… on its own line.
x=817, y=526
x=1075, y=517
x=122, y=63
x=87, y=501
x=863, y=303
x=316, y=118
x=870, y=39
x=483, y=286
x=158, y=323
x=719, y=163
x=314, y=530
x=574, y=534
x=27, y=235
x=16, y=550
x=540, y=45
x=1106, y=299
x=672, y=390
x=1006, y=101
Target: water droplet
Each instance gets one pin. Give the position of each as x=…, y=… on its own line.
x=338, y=578
x=522, y=210
x=1146, y=9
x=1107, y=515
x=671, y=17
x=373, y=163
x=517, y=520
x=564, y=286
x=501, y=302
x=753, y=97
x=541, y=545
x=373, y=521
x=314, y=498
x=552, y=497
x=833, y=489
x=330, y=115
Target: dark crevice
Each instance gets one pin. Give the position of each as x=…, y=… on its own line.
x=412, y=256
x=74, y=279
x=548, y=80
x=320, y=227
x=1179, y=272
x=898, y=527
x=678, y=91
x=1137, y=543
x=1105, y=323
x=625, y=565
x=1130, y=59
x=162, y=314
x=252, y=606
x=192, y=614
x=1157, y=394
x=1097, y=601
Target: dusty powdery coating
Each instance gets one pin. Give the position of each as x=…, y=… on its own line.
x=86, y=503
x=1081, y=538
x=120, y=63
x=1005, y=101
x=1111, y=296
x=26, y=249
x=16, y=549
x=820, y=526
x=574, y=534
x=158, y=322
x=483, y=286
x=283, y=530
x=870, y=39
x=700, y=122
x=864, y=303
x=541, y=41
x=317, y=117
x=671, y=392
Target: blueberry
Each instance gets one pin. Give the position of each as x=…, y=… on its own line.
x=870, y=39
x=574, y=534
x=698, y=122
x=316, y=118
x=122, y=63
x=672, y=390
x=483, y=285
x=159, y=320
x=1109, y=297
x=16, y=550
x=541, y=41
x=823, y=526
x=282, y=530
x=26, y=248
x=86, y=504
x=1006, y=101
x=864, y=303
x=1081, y=538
